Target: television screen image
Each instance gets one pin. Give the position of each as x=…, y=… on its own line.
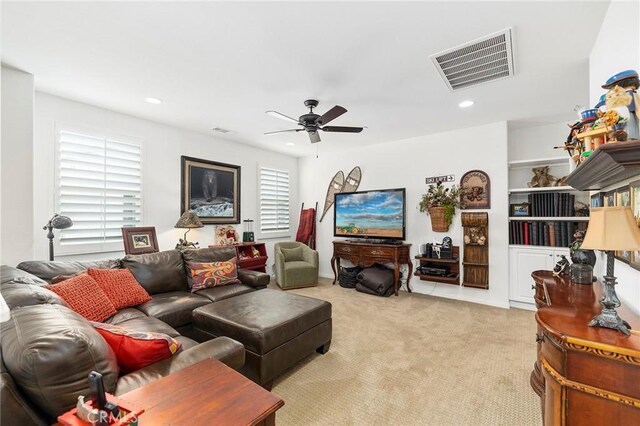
x=370, y=214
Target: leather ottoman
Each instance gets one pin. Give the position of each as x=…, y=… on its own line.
x=277, y=329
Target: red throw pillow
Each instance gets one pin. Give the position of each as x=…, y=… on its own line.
x=120, y=287
x=137, y=349
x=83, y=294
x=213, y=274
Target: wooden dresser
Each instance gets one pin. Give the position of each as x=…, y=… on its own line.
x=366, y=254
x=584, y=375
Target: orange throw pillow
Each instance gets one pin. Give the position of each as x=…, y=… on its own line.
x=120, y=287
x=137, y=349
x=83, y=294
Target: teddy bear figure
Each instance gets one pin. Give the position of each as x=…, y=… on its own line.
x=475, y=236
x=541, y=178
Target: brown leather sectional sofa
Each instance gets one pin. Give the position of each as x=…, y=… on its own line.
x=47, y=349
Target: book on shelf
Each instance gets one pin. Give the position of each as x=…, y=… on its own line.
x=552, y=204
x=543, y=233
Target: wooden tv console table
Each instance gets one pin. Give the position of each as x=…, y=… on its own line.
x=366, y=254
x=584, y=375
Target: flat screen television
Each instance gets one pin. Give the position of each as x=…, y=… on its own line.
x=378, y=214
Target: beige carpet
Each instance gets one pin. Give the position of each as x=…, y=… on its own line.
x=414, y=360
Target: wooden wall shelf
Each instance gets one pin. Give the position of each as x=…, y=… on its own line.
x=453, y=264
x=609, y=164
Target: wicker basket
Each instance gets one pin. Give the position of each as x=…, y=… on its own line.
x=438, y=220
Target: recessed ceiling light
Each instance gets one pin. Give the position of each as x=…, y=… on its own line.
x=290, y=144
x=465, y=104
x=154, y=101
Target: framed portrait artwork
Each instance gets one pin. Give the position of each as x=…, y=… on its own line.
x=140, y=240
x=609, y=199
x=623, y=199
x=634, y=192
x=477, y=190
x=211, y=190
x=597, y=200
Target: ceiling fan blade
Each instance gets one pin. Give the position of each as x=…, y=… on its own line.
x=314, y=137
x=344, y=129
x=283, y=131
x=330, y=115
x=281, y=116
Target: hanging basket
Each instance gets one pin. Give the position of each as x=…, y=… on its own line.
x=438, y=219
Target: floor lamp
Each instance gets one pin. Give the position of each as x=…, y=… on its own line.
x=56, y=222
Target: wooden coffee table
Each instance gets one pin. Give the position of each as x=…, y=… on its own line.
x=206, y=393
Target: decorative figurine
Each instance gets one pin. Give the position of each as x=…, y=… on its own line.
x=562, y=266
x=583, y=261
x=542, y=179
x=628, y=81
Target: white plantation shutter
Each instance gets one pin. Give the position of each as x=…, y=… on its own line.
x=99, y=188
x=274, y=201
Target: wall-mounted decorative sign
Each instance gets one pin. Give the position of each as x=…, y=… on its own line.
x=211, y=190
x=443, y=179
x=477, y=190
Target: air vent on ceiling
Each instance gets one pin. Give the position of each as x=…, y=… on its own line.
x=486, y=59
x=221, y=130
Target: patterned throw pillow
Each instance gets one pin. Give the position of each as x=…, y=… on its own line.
x=120, y=287
x=137, y=349
x=83, y=294
x=213, y=274
x=293, y=254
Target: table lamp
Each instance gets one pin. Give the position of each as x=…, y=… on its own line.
x=611, y=229
x=187, y=221
x=56, y=222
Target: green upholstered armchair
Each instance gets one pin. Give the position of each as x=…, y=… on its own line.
x=296, y=265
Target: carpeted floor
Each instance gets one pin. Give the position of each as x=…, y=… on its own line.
x=414, y=360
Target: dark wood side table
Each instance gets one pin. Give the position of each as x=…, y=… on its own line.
x=206, y=393
x=584, y=375
x=366, y=254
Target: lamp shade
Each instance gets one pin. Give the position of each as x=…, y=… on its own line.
x=612, y=228
x=61, y=222
x=189, y=220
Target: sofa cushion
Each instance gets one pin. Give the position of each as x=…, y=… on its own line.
x=160, y=272
x=149, y=324
x=120, y=287
x=46, y=270
x=16, y=409
x=9, y=274
x=300, y=273
x=225, y=291
x=49, y=351
x=137, y=349
x=84, y=296
x=124, y=315
x=174, y=307
x=17, y=295
x=212, y=274
x=292, y=254
x=210, y=254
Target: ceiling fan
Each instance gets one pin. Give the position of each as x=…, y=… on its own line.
x=312, y=122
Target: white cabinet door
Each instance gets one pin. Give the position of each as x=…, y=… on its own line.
x=522, y=262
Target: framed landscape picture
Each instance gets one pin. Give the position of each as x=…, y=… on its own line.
x=597, y=200
x=140, y=240
x=623, y=199
x=610, y=199
x=634, y=192
x=211, y=190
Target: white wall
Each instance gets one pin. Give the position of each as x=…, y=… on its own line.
x=617, y=48
x=17, y=206
x=162, y=147
x=406, y=164
x=537, y=142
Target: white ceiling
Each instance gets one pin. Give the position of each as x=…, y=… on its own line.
x=223, y=64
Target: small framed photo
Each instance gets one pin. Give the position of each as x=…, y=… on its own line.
x=623, y=196
x=597, y=200
x=610, y=199
x=634, y=192
x=522, y=209
x=140, y=240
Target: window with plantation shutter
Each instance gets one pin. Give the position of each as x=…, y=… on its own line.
x=274, y=202
x=99, y=188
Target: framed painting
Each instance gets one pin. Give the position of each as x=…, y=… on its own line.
x=597, y=200
x=211, y=190
x=609, y=199
x=522, y=209
x=476, y=188
x=634, y=192
x=623, y=199
x=140, y=240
